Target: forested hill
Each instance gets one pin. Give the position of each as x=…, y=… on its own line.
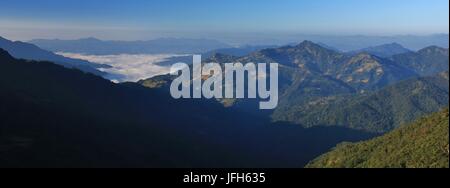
x=423, y=144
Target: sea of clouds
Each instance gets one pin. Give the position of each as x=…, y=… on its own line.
x=129, y=67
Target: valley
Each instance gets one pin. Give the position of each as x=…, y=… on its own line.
x=131, y=67
x=127, y=119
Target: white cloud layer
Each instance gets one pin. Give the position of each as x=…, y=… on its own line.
x=128, y=67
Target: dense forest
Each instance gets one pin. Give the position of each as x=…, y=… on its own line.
x=422, y=144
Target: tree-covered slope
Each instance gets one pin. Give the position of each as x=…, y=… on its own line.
x=378, y=111
x=427, y=61
x=423, y=144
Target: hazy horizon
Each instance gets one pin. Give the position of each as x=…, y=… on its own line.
x=235, y=22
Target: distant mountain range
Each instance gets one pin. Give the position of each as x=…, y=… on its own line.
x=357, y=42
x=389, y=45
x=423, y=144
x=319, y=75
x=361, y=71
x=313, y=80
x=385, y=50
x=29, y=51
x=95, y=46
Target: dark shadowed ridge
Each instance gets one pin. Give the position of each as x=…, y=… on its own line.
x=29, y=51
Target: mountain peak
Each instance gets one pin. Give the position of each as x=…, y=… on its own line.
x=312, y=47
x=308, y=43
x=394, y=45
x=435, y=49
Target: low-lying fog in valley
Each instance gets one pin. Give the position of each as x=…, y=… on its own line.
x=132, y=67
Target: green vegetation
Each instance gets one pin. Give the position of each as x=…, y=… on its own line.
x=425, y=62
x=378, y=111
x=423, y=144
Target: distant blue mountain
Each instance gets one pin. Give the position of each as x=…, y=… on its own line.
x=22, y=50
x=158, y=46
x=237, y=51
x=385, y=50
x=356, y=42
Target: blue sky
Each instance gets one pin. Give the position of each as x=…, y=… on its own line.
x=145, y=19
